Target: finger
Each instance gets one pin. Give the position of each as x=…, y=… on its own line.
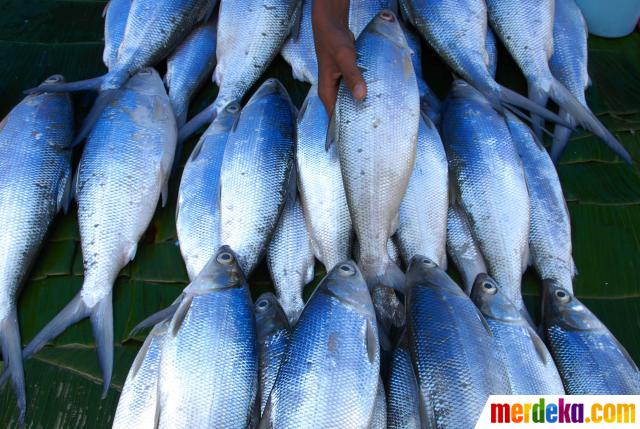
x=346, y=61
x=327, y=90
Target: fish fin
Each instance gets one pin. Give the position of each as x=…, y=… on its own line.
x=296, y=20
x=586, y=118
x=102, y=322
x=106, y=7
x=205, y=117
x=508, y=96
x=164, y=192
x=484, y=322
x=541, y=98
x=157, y=317
x=310, y=273
x=331, y=131
x=142, y=353
x=371, y=342
x=307, y=100
x=92, y=84
x=131, y=252
x=12, y=357
x=541, y=349
x=102, y=101
x=65, y=194
x=74, y=184
x=405, y=12
x=561, y=137
x=177, y=157
x=389, y=309
x=196, y=151
x=180, y=314
x=395, y=223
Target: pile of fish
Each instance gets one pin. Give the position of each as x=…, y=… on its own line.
x=397, y=182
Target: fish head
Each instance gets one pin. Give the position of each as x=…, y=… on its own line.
x=346, y=284
x=226, y=119
x=493, y=304
x=270, y=87
x=387, y=25
x=270, y=317
x=423, y=272
x=221, y=272
x=561, y=307
x=147, y=81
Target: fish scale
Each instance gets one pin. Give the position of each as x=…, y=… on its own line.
x=35, y=172
x=116, y=13
x=300, y=52
x=462, y=247
x=403, y=408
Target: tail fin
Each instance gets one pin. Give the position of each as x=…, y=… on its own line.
x=389, y=309
x=158, y=317
x=508, y=96
x=102, y=101
x=81, y=85
x=561, y=137
x=586, y=118
x=101, y=316
x=540, y=98
x=12, y=356
x=202, y=119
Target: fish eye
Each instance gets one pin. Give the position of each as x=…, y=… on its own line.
x=232, y=108
x=263, y=304
x=225, y=258
x=490, y=288
x=428, y=263
x=54, y=79
x=387, y=16
x=346, y=270
x=562, y=296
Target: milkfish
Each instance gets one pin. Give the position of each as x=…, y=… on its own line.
x=330, y=371
x=403, y=397
x=122, y=173
x=35, y=172
x=526, y=29
x=376, y=140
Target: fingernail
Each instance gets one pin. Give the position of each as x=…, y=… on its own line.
x=359, y=91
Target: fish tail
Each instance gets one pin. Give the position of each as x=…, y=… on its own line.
x=561, y=137
x=12, y=356
x=509, y=97
x=205, y=117
x=104, y=98
x=540, y=98
x=101, y=317
x=92, y=84
x=389, y=309
x=583, y=116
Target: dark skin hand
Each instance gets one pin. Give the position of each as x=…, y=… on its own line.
x=335, y=51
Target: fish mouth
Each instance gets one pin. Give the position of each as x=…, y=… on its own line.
x=269, y=87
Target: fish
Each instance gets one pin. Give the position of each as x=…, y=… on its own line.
x=429, y=101
x=457, y=31
x=379, y=416
x=491, y=45
x=322, y=194
x=273, y=334
x=489, y=184
x=138, y=402
x=423, y=212
x=35, y=172
x=122, y=174
x=115, y=15
x=376, y=140
x=198, y=207
x=568, y=64
x=589, y=358
x=257, y=173
x=463, y=248
x=362, y=12
x=209, y=361
x=290, y=259
x=338, y=324
x=403, y=397
x=189, y=66
x=550, y=227
x=154, y=28
x=530, y=367
x=531, y=46
x=452, y=348
x=300, y=51
x=244, y=55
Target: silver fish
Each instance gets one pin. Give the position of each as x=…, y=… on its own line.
x=590, y=359
x=392, y=250
x=154, y=28
x=529, y=365
x=256, y=173
x=403, y=397
x=321, y=188
x=189, y=66
x=300, y=51
x=376, y=140
x=244, y=55
x=209, y=361
x=462, y=247
x=569, y=63
x=550, y=228
x=198, y=209
x=379, y=416
x=123, y=171
x=423, y=213
x=429, y=101
x=338, y=324
x=115, y=14
x=273, y=334
x=531, y=47
x=35, y=172
x=290, y=259
x=452, y=347
x=138, y=403
x=457, y=30
x=489, y=184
